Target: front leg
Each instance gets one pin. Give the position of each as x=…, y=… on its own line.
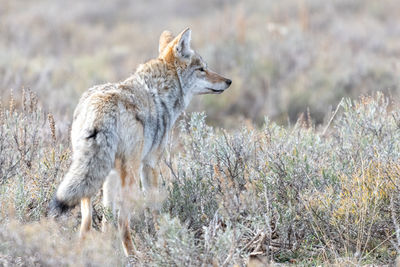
x=149, y=177
x=151, y=170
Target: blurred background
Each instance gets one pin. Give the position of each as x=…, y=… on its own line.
x=286, y=58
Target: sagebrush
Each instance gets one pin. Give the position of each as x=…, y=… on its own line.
x=292, y=195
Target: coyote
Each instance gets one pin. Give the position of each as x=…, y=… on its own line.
x=125, y=126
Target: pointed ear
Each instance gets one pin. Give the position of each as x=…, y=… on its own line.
x=182, y=45
x=165, y=38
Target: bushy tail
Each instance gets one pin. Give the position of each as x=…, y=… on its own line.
x=92, y=161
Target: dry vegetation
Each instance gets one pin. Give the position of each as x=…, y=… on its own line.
x=282, y=56
x=295, y=195
x=315, y=192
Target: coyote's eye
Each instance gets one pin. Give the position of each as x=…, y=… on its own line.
x=201, y=69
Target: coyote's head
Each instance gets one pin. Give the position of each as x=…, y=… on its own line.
x=192, y=71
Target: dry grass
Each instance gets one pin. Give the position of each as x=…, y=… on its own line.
x=318, y=191
x=297, y=195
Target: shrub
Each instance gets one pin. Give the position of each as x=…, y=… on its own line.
x=292, y=195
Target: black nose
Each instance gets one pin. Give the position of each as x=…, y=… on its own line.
x=228, y=82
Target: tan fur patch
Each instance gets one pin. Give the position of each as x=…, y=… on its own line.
x=86, y=211
x=127, y=239
x=121, y=168
x=165, y=38
x=214, y=77
x=168, y=55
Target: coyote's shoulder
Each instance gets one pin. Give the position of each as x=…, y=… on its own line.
x=125, y=126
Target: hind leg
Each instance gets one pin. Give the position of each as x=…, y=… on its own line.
x=127, y=183
x=124, y=230
x=86, y=211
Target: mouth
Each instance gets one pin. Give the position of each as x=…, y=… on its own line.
x=215, y=91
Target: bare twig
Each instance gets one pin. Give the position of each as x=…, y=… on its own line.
x=333, y=116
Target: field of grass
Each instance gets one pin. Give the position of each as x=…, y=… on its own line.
x=301, y=194
x=303, y=167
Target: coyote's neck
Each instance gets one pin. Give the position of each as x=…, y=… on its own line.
x=165, y=90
